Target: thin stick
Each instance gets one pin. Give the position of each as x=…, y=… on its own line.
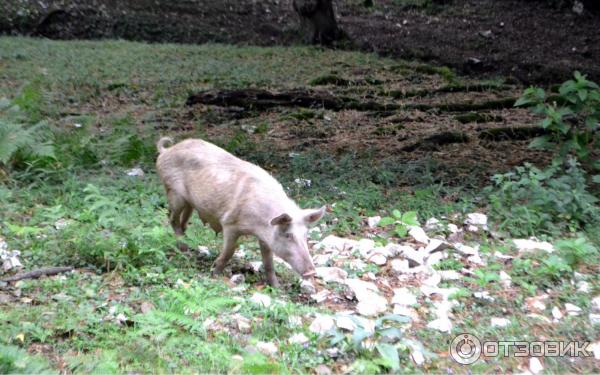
x=37, y=273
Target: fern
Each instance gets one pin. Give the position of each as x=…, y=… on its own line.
x=14, y=360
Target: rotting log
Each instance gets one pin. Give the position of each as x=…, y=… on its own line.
x=38, y=273
x=432, y=143
x=257, y=99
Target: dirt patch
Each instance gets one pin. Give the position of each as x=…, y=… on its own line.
x=532, y=41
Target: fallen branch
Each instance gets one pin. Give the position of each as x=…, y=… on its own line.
x=37, y=273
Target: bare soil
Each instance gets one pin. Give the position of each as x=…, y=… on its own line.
x=532, y=41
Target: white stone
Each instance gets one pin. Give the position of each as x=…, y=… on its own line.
x=203, y=251
x=476, y=218
x=572, y=310
x=399, y=265
x=435, y=258
x=365, y=246
x=375, y=305
x=484, y=295
x=453, y=228
x=298, y=338
x=406, y=311
x=450, y=275
x=378, y=259
x=535, y=366
x=135, y=172
x=373, y=221
x=261, y=299
x=61, y=224
x=266, y=348
x=505, y=279
x=536, y=303
x=256, y=266
x=321, y=296
x=418, y=234
x=583, y=286
x=466, y=250
x=524, y=245
x=307, y=287
x=556, y=313
x=432, y=224
x=417, y=356
x=392, y=249
x=344, y=322
x=596, y=304
x=433, y=280
x=436, y=245
x=243, y=323
x=472, y=228
x=595, y=348
x=594, y=318
x=499, y=255
x=403, y=297
x=357, y=264
x=332, y=242
x=322, y=324
x=444, y=292
x=321, y=260
x=443, y=325
x=499, y=322
x=334, y=274
x=295, y=321
x=417, y=257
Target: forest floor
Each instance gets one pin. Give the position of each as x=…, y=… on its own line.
x=531, y=41
x=426, y=141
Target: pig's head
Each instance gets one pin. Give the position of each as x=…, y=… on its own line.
x=290, y=239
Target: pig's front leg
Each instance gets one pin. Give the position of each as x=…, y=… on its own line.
x=267, y=258
x=230, y=237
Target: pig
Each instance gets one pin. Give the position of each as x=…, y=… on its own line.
x=237, y=198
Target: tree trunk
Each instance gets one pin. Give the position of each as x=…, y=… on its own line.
x=317, y=21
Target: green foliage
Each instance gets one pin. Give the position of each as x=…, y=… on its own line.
x=531, y=201
x=483, y=277
x=14, y=360
x=577, y=251
x=572, y=118
x=21, y=143
x=401, y=221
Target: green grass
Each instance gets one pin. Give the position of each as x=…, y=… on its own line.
x=98, y=105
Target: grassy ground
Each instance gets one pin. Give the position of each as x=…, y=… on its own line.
x=137, y=304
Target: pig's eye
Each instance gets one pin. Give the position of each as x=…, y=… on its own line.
x=289, y=236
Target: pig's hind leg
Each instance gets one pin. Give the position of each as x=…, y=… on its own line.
x=177, y=212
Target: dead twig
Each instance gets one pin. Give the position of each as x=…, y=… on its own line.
x=49, y=271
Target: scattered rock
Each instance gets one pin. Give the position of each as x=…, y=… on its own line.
x=452, y=228
x=417, y=356
x=435, y=258
x=135, y=172
x=345, y=322
x=321, y=296
x=369, y=301
x=372, y=222
x=357, y=264
x=203, y=251
x=378, y=259
x=415, y=257
x=432, y=224
x=472, y=228
x=256, y=266
x=583, y=286
x=524, y=246
x=392, y=250
x=476, y=259
x=536, y=304
x=261, y=299
x=365, y=246
x=267, y=348
x=499, y=322
x=487, y=34
x=594, y=318
x=436, y=245
x=146, y=307
x=476, y=218
x=321, y=260
x=307, y=287
x=418, y=234
x=433, y=280
x=535, y=366
x=485, y=295
x=505, y=279
x=443, y=325
x=577, y=7
x=243, y=323
x=449, y=275
x=466, y=250
x=238, y=279
x=596, y=304
x=322, y=324
x=298, y=338
x=400, y=265
x=499, y=255
x=334, y=274
x=295, y=321
x=336, y=243
x=572, y=310
x=323, y=369
x=403, y=297
x=61, y=224
x=406, y=311
x=556, y=313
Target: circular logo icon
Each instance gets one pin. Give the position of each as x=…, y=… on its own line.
x=465, y=349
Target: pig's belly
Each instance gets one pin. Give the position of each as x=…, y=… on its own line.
x=210, y=220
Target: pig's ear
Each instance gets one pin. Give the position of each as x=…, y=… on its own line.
x=283, y=219
x=312, y=216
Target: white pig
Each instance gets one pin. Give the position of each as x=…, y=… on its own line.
x=237, y=198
